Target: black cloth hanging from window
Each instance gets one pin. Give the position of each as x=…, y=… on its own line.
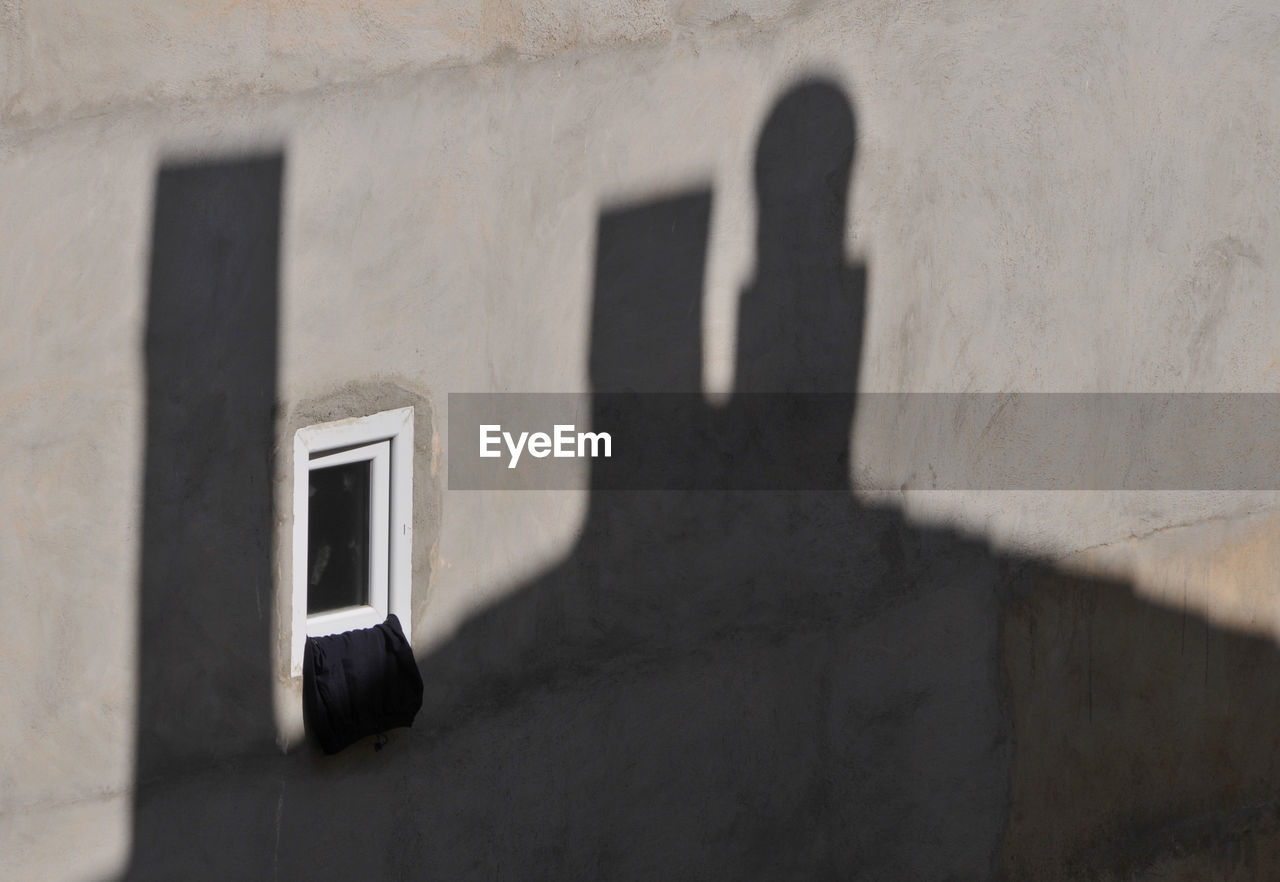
x=359, y=683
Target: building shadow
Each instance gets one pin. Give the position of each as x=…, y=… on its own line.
x=764, y=679
x=206, y=572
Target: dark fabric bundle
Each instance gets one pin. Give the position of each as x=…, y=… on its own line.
x=359, y=683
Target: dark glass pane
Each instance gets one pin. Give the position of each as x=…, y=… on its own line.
x=338, y=537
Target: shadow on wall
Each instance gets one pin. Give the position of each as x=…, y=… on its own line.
x=721, y=684
x=205, y=599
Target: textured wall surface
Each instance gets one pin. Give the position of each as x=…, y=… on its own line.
x=1054, y=197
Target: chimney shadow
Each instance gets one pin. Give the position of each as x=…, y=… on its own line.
x=206, y=570
x=764, y=679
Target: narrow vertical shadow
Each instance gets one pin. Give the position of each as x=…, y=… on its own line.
x=646, y=327
x=205, y=599
x=646, y=334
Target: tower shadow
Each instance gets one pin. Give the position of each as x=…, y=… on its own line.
x=764, y=678
x=771, y=680
x=206, y=570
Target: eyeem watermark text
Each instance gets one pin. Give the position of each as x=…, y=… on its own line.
x=563, y=442
x=1215, y=441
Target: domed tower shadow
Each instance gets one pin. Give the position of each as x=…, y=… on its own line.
x=761, y=677
x=769, y=678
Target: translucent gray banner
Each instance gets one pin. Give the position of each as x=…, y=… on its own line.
x=871, y=441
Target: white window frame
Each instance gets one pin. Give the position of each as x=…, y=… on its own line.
x=385, y=440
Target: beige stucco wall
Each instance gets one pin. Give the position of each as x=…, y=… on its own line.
x=1056, y=197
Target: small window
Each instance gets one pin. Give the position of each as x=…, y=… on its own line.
x=352, y=525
